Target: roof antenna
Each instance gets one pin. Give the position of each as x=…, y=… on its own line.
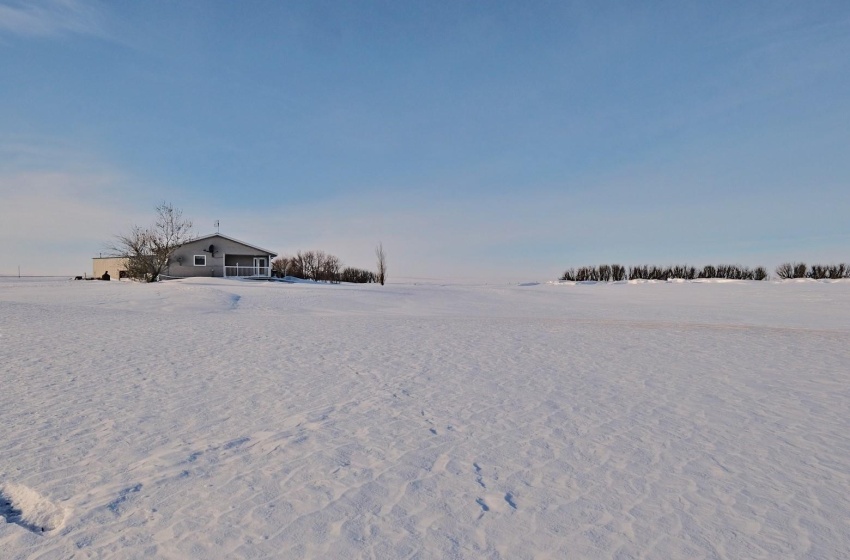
x=216, y=226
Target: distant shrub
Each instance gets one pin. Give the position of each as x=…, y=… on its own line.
x=815, y=272
x=785, y=271
x=839, y=271
x=357, y=276
x=618, y=273
x=832, y=271
x=818, y=272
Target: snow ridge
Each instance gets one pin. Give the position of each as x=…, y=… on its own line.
x=29, y=509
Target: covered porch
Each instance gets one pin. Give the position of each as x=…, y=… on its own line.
x=247, y=266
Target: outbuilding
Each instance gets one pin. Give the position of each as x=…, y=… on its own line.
x=115, y=266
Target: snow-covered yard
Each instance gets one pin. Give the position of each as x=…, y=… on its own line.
x=226, y=419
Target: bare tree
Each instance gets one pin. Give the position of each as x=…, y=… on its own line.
x=309, y=263
x=382, y=263
x=147, y=250
x=281, y=266
x=296, y=266
x=329, y=268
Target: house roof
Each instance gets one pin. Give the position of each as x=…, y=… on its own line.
x=210, y=236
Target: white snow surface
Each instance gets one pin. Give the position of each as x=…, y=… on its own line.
x=226, y=419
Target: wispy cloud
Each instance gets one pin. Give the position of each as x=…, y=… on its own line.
x=61, y=206
x=49, y=18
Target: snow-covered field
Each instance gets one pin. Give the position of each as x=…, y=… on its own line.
x=226, y=419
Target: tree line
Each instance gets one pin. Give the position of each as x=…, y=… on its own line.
x=619, y=273
x=324, y=267
x=321, y=267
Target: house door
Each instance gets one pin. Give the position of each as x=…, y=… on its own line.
x=260, y=266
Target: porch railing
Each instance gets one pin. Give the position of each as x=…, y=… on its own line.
x=242, y=271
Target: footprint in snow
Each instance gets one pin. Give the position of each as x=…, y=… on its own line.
x=236, y=443
x=115, y=506
x=194, y=456
x=478, y=477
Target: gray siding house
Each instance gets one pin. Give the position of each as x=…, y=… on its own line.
x=220, y=256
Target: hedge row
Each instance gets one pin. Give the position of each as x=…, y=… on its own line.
x=816, y=271
x=616, y=273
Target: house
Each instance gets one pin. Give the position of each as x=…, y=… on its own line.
x=221, y=256
x=210, y=255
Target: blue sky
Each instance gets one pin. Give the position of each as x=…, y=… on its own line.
x=476, y=140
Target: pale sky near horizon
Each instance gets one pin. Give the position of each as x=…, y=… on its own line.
x=475, y=140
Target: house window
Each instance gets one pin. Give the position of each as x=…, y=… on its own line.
x=200, y=260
